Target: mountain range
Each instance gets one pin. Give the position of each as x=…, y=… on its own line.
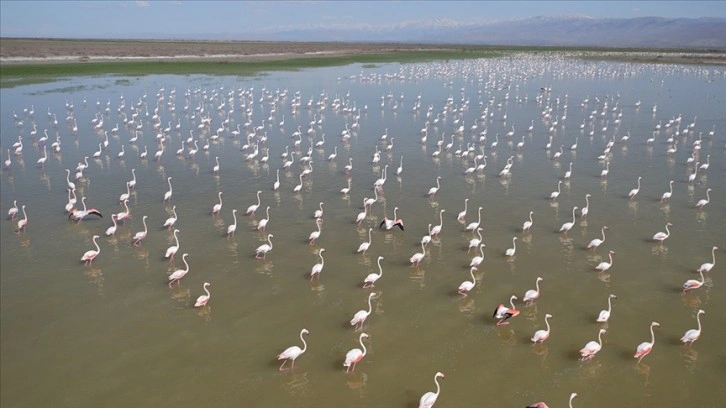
x=561, y=31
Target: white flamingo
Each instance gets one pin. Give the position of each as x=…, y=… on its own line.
x=706, y=267
x=513, y=250
x=372, y=278
x=171, y=251
x=604, y=266
x=541, y=335
x=604, y=315
x=217, y=207
x=263, y=222
x=568, y=225
x=293, y=352
x=466, y=286
x=264, y=248
x=533, y=294
x=437, y=228
x=318, y=267
x=232, y=228
x=429, y=399
x=360, y=316
x=596, y=242
x=702, y=202
x=363, y=247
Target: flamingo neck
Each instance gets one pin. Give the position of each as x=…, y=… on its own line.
x=305, y=345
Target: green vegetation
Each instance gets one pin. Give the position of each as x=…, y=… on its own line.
x=22, y=74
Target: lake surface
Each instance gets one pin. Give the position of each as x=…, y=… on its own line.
x=114, y=334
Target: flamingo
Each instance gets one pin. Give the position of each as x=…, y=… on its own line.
x=263, y=222
x=360, y=316
x=634, y=192
x=139, y=236
x=466, y=286
x=355, y=355
x=8, y=161
x=126, y=195
x=429, y=399
x=477, y=260
x=555, y=194
x=90, y=255
x=592, y=347
x=232, y=228
x=437, y=228
x=692, y=335
x=462, y=214
x=334, y=154
x=132, y=182
x=112, y=229
x=433, y=190
x=541, y=335
x=217, y=207
x=22, y=224
x=693, y=283
x=264, y=248
x=293, y=352
x=474, y=242
x=568, y=173
x=390, y=223
x=706, y=165
x=558, y=154
x=349, y=166
x=171, y=251
x=544, y=404
x=604, y=266
x=706, y=267
x=363, y=247
x=606, y=170
x=503, y=313
x=79, y=215
x=362, y=215
x=661, y=236
x=276, y=185
x=667, y=195
x=568, y=225
x=426, y=238
x=399, y=170
x=318, y=267
x=605, y=314
x=13, y=211
x=171, y=220
x=370, y=201
x=203, y=299
x=167, y=195
x=418, y=256
x=372, y=278
x=511, y=251
x=702, y=202
x=474, y=225
x=596, y=242
x=319, y=213
x=299, y=186
x=586, y=209
x=645, y=347
x=178, y=274
x=692, y=176
x=124, y=215
x=528, y=224
x=71, y=185
x=346, y=190
x=533, y=294
x=251, y=209
x=381, y=181
x=215, y=169
x=41, y=161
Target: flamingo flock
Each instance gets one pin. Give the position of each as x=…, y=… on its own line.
x=309, y=168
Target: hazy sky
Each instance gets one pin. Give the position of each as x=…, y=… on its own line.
x=124, y=19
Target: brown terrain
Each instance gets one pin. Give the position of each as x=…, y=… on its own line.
x=24, y=51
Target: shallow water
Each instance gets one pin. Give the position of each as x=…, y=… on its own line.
x=114, y=333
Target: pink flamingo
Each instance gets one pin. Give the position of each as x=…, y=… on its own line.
x=360, y=316
x=592, y=348
x=693, y=283
x=178, y=274
x=531, y=295
x=141, y=234
x=503, y=313
x=692, y=335
x=390, y=223
x=541, y=335
x=645, y=347
x=203, y=299
x=90, y=255
x=22, y=224
x=355, y=355
x=293, y=352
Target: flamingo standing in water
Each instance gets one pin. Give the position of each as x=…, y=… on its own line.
x=89, y=256
x=605, y=314
x=418, y=256
x=171, y=251
x=693, y=283
x=139, y=236
x=13, y=211
x=429, y=399
x=706, y=267
x=363, y=247
x=635, y=191
x=112, y=229
x=167, y=195
x=474, y=225
x=662, y=236
x=232, y=228
x=692, y=335
x=533, y=294
x=466, y=286
x=541, y=335
x=437, y=228
x=592, y=347
x=667, y=195
x=503, y=313
x=433, y=190
x=474, y=242
x=203, y=299
x=596, y=242
x=462, y=214
x=171, y=220
x=568, y=225
x=251, y=209
x=263, y=222
x=586, y=209
x=264, y=248
x=318, y=267
x=604, y=266
x=702, y=202
x=178, y=274
x=293, y=352
x=355, y=355
x=513, y=250
x=362, y=215
x=360, y=316
x=528, y=224
x=372, y=278
x=477, y=260
x=124, y=215
x=217, y=207
x=645, y=347
x=555, y=194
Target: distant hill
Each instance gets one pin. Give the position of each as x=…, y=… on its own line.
x=575, y=31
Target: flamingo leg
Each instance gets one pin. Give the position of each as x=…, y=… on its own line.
x=283, y=365
x=462, y=293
